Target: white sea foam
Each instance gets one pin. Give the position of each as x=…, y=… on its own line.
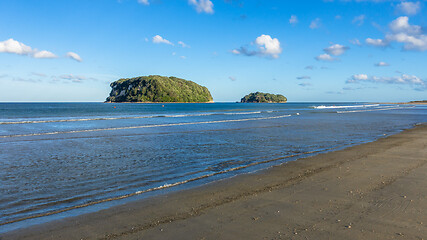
x=145, y=126
x=129, y=117
x=348, y=106
x=375, y=109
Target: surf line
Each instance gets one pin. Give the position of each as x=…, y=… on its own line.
x=164, y=186
x=376, y=109
x=145, y=126
x=118, y=118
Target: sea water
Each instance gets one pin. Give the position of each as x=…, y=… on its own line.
x=66, y=159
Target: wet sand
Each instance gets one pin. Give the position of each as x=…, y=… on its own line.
x=375, y=190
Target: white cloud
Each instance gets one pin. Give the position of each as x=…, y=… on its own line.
x=13, y=46
x=74, y=56
x=145, y=2
x=160, y=39
x=183, y=57
x=403, y=79
x=183, y=44
x=266, y=46
x=325, y=57
x=44, y=54
x=359, y=20
x=409, y=8
x=315, y=23
x=411, y=36
x=269, y=46
x=336, y=49
x=376, y=42
x=293, y=20
x=235, y=51
x=401, y=25
x=205, y=6
x=401, y=31
x=360, y=77
x=382, y=64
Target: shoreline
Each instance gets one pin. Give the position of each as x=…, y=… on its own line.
x=251, y=205
x=405, y=103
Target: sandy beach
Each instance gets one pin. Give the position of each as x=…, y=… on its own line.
x=375, y=190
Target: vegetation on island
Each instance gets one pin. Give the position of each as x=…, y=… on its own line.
x=260, y=97
x=156, y=88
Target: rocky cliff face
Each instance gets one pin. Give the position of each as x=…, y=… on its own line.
x=156, y=88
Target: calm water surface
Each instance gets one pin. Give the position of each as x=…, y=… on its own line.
x=63, y=156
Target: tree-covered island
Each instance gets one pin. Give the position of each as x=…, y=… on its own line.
x=260, y=97
x=156, y=88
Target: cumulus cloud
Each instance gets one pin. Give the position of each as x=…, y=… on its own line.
x=303, y=77
x=359, y=20
x=412, y=36
x=315, y=23
x=44, y=54
x=404, y=79
x=382, y=64
x=336, y=49
x=293, y=20
x=74, y=56
x=183, y=44
x=266, y=46
x=159, y=39
x=333, y=50
x=409, y=8
x=144, y=2
x=376, y=42
x=202, y=6
x=325, y=57
x=15, y=47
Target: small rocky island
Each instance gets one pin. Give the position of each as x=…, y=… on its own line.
x=159, y=89
x=260, y=97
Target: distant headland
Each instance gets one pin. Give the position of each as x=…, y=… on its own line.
x=158, y=89
x=259, y=97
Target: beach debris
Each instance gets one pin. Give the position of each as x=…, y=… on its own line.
x=255, y=218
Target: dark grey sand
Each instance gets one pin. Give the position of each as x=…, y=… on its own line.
x=376, y=190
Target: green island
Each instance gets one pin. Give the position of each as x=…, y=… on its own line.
x=259, y=97
x=159, y=89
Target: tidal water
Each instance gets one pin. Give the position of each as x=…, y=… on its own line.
x=65, y=159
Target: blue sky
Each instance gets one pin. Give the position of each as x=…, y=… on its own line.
x=332, y=50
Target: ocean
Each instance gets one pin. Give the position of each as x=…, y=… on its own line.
x=64, y=159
